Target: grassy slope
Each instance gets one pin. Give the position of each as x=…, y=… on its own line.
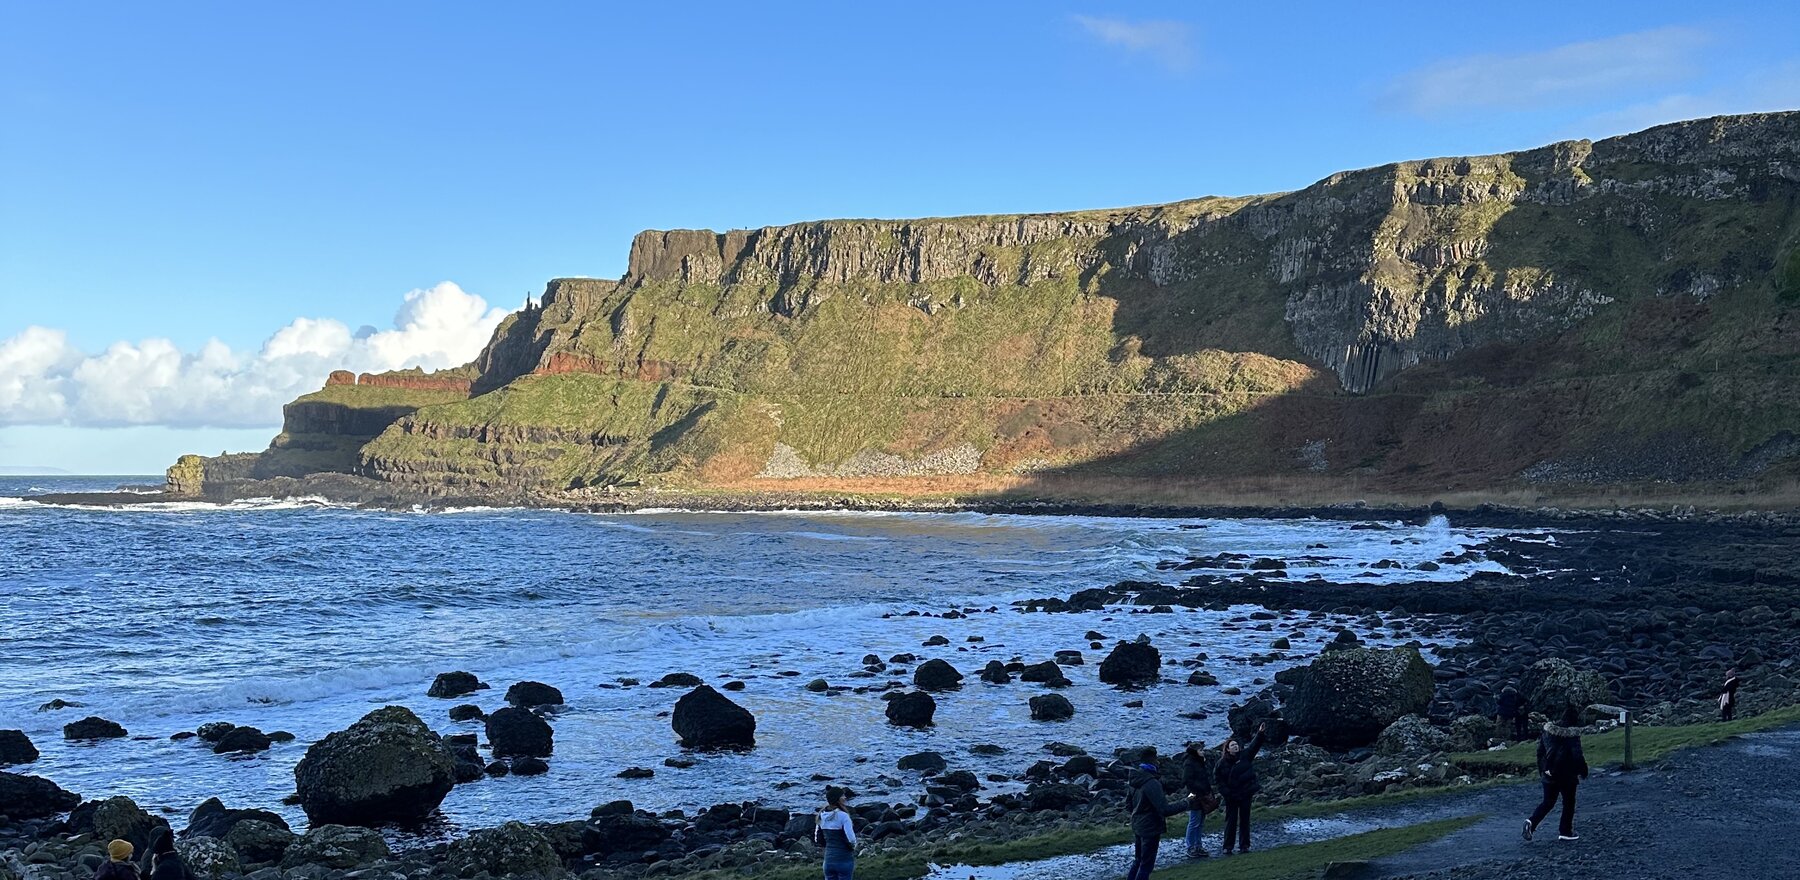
x=1648, y=744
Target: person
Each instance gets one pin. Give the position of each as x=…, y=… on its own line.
x=1197, y=778
x=118, y=864
x=1562, y=766
x=1512, y=708
x=163, y=862
x=1728, y=696
x=837, y=834
x=1150, y=811
x=1237, y=785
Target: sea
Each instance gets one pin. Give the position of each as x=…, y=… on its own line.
x=301, y=616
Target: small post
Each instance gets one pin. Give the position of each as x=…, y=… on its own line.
x=1627, y=765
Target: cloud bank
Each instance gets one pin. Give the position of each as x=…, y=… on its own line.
x=1168, y=43
x=46, y=381
x=1574, y=72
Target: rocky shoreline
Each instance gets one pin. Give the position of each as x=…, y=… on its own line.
x=1647, y=617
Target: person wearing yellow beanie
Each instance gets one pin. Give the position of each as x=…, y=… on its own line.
x=119, y=866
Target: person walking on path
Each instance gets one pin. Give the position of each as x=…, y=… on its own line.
x=837, y=834
x=1511, y=709
x=1197, y=778
x=118, y=864
x=1562, y=766
x=1237, y=785
x=1150, y=811
x=1728, y=696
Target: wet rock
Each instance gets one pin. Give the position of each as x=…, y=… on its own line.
x=677, y=680
x=1348, y=696
x=1047, y=673
x=497, y=769
x=1051, y=707
x=924, y=762
x=16, y=748
x=532, y=694
x=516, y=732
x=936, y=675
x=33, y=797
x=706, y=719
x=1069, y=658
x=511, y=850
x=213, y=731
x=936, y=642
x=637, y=773
x=914, y=709
x=93, y=727
x=258, y=842
x=1202, y=678
x=1550, y=685
x=58, y=704
x=213, y=819
x=528, y=766
x=466, y=712
x=242, y=740
x=455, y=684
x=1055, y=796
x=120, y=818
x=387, y=767
x=336, y=847
x=818, y=686
x=1132, y=664
x=995, y=673
x=1258, y=711
x=613, y=832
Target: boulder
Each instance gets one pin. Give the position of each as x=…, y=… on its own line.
x=995, y=673
x=1349, y=695
x=678, y=680
x=258, y=842
x=1258, y=711
x=1051, y=707
x=627, y=832
x=387, y=767
x=466, y=712
x=213, y=819
x=242, y=739
x=528, y=766
x=120, y=818
x=913, y=709
x=1132, y=664
x=531, y=694
x=209, y=858
x=213, y=731
x=93, y=727
x=1550, y=685
x=1046, y=672
x=924, y=762
x=707, y=719
x=335, y=847
x=936, y=675
x=33, y=797
x=516, y=732
x=455, y=684
x=1055, y=796
x=511, y=850
x=16, y=748
x=1411, y=735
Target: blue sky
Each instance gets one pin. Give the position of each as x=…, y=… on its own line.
x=205, y=174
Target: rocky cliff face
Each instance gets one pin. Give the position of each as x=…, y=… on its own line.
x=1617, y=295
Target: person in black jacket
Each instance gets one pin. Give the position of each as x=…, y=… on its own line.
x=118, y=864
x=1728, y=696
x=1562, y=766
x=1511, y=709
x=1237, y=785
x=1197, y=778
x=163, y=862
x=1150, y=811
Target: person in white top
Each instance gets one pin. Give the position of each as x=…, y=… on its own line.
x=836, y=832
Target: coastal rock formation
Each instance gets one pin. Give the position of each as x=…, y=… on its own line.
x=1132, y=664
x=936, y=675
x=1552, y=684
x=387, y=767
x=515, y=732
x=1586, y=312
x=16, y=748
x=914, y=709
x=33, y=797
x=335, y=847
x=511, y=850
x=213, y=819
x=1348, y=696
x=707, y=719
x=455, y=684
x=1051, y=707
x=532, y=694
x=93, y=727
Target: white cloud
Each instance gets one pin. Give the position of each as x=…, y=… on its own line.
x=1570, y=73
x=46, y=381
x=1168, y=43
x=1763, y=91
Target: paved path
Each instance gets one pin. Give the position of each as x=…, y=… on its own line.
x=1717, y=812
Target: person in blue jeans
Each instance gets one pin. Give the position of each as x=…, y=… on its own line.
x=837, y=834
x=1197, y=778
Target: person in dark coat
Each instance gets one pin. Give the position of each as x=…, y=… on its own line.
x=1562, y=766
x=1511, y=709
x=1237, y=785
x=1197, y=778
x=1728, y=696
x=162, y=862
x=118, y=864
x=1150, y=810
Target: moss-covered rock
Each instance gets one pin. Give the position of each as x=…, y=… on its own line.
x=1552, y=684
x=1348, y=696
x=387, y=767
x=511, y=850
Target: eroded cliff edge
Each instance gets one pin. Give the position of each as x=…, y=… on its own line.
x=1619, y=311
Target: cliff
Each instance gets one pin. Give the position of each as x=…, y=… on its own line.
x=1598, y=312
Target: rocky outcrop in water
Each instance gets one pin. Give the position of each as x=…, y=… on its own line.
x=707, y=719
x=386, y=768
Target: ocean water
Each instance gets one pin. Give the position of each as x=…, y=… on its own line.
x=302, y=616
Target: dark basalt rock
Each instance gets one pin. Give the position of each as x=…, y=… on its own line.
x=914, y=709
x=213, y=731
x=16, y=748
x=531, y=694
x=33, y=797
x=213, y=819
x=511, y=850
x=387, y=767
x=707, y=719
x=529, y=766
x=1051, y=707
x=242, y=740
x=995, y=673
x=93, y=727
x=455, y=684
x=677, y=680
x=1350, y=695
x=466, y=712
x=937, y=675
x=1132, y=664
x=516, y=732
x=1046, y=673
x=924, y=762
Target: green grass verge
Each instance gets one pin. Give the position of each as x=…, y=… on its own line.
x=1308, y=860
x=1648, y=743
